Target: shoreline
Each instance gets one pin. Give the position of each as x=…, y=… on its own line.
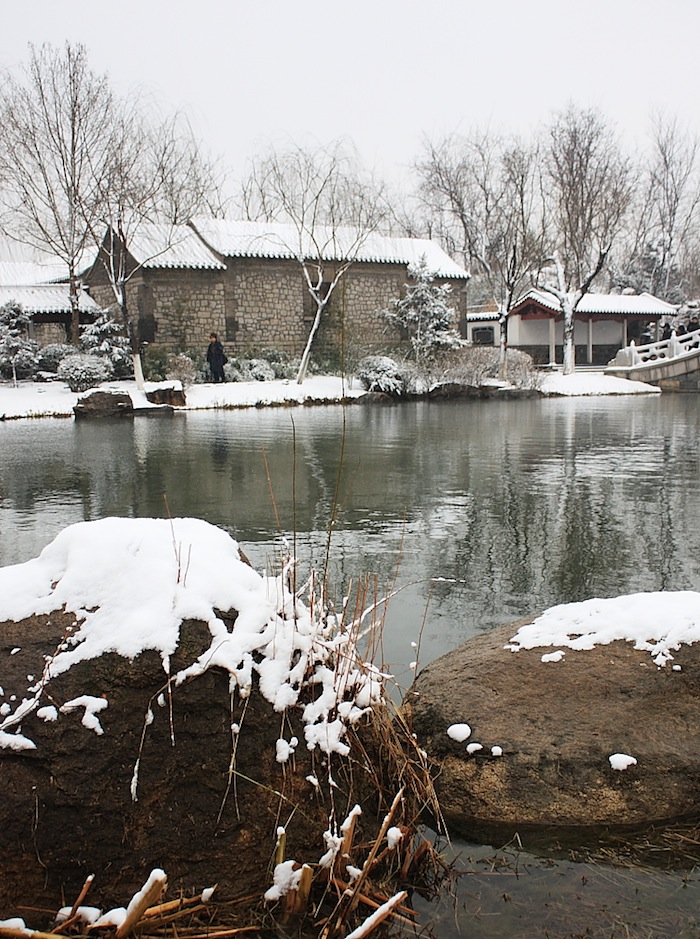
x=31, y=399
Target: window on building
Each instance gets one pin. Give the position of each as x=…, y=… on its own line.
x=483, y=336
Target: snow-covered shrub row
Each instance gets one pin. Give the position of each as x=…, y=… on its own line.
x=81, y=371
x=381, y=373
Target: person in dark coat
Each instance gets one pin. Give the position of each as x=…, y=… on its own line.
x=666, y=334
x=216, y=358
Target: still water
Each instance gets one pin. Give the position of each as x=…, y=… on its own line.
x=476, y=513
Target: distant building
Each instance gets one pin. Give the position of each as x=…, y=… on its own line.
x=603, y=324
x=36, y=286
x=243, y=281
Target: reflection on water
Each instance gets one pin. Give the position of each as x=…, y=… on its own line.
x=507, y=893
x=481, y=512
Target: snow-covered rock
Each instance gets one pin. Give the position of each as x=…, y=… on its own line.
x=548, y=725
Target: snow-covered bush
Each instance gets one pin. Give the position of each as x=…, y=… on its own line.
x=260, y=370
x=476, y=365
x=81, y=372
x=249, y=370
x=381, y=373
x=52, y=355
x=181, y=368
x=280, y=363
x=19, y=357
x=105, y=338
x=235, y=370
x=521, y=370
x=154, y=362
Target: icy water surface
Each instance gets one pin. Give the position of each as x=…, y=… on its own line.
x=475, y=512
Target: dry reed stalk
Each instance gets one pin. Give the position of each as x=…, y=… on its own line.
x=303, y=891
x=378, y=917
x=281, y=846
x=219, y=933
x=409, y=918
x=81, y=896
x=11, y=933
x=352, y=895
x=155, y=921
x=147, y=898
x=173, y=906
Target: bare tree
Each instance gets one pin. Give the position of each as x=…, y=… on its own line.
x=669, y=208
x=591, y=184
x=54, y=132
x=330, y=208
x=155, y=174
x=486, y=196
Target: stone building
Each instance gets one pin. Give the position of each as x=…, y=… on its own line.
x=36, y=286
x=245, y=281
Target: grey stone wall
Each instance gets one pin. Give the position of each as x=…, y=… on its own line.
x=260, y=304
x=264, y=305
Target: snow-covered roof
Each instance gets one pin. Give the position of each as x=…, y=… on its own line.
x=489, y=316
x=158, y=245
x=279, y=240
x=643, y=304
x=13, y=273
x=46, y=298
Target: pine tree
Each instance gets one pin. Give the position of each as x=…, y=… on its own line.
x=105, y=338
x=19, y=355
x=425, y=317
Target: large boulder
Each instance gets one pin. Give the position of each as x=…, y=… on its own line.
x=163, y=705
x=154, y=783
x=104, y=404
x=557, y=722
x=173, y=396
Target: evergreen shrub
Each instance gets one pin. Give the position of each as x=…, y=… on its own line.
x=81, y=371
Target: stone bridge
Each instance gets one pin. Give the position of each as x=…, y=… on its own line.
x=672, y=364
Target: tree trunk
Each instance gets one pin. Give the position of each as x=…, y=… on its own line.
x=131, y=335
x=569, y=348
x=503, y=346
x=321, y=306
x=74, y=308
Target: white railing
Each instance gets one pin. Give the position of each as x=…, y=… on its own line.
x=666, y=349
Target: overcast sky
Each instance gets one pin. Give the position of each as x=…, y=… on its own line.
x=383, y=73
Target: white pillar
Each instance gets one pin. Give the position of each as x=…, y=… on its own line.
x=552, y=341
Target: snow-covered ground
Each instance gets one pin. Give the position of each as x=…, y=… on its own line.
x=593, y=383
x=54, y=399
